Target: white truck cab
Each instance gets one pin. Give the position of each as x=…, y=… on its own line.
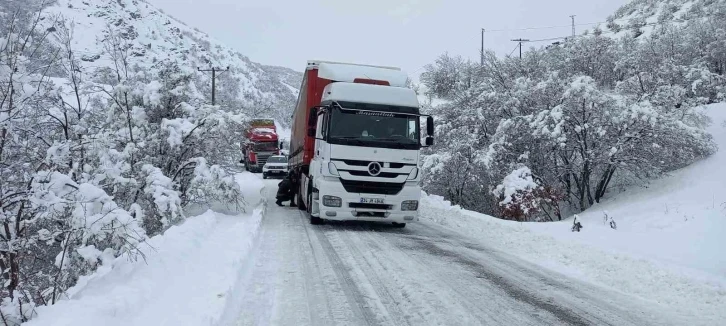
x=366, y=153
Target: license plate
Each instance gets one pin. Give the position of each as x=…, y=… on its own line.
x=371, y=200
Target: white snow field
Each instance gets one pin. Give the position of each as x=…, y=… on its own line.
x=273, y=268
x=269, y=266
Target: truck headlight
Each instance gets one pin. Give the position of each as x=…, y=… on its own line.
x=409, y=205
x=413, y=174
x=332, y=201
x=333, y=169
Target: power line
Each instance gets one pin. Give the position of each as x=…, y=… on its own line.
x=214, y=78
x=540, y=27
x=619, y=21
x=549, y=39
x=614, y=32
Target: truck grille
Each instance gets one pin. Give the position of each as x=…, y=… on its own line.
x=365, y=163
x=368, y=187
x=380, y=175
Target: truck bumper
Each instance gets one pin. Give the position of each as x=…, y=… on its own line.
x=351, y=209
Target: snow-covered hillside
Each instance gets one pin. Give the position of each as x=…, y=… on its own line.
x=641, y=17
x=155, y=37
x=667, y=246
x=679, y=220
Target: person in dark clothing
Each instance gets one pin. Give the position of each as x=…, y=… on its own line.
x=293, y=189
x=286, y=190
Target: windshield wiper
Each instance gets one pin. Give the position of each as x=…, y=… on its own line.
x=400, y=140
x=354, y=139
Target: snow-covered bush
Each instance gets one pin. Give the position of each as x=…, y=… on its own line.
x=516, y=194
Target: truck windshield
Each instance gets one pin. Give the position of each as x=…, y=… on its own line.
x=268, y=146
x=361, y=128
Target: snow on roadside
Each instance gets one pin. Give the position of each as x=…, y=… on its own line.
x=667, y=248
x=702, y=301
x=185, y=278
x=679, y=220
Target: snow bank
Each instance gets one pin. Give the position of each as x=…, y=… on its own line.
x=185, y=277
x=679, y=220
x=251, y=186
x=697, y=299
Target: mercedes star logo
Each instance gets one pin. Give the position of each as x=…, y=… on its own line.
x=374, y=168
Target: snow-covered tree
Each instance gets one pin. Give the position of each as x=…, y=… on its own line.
x=93, y=160
x=582, y=116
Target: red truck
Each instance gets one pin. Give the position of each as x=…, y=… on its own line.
x=356, y=141
x=260, y=142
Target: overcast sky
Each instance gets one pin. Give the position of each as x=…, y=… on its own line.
x=404, y=33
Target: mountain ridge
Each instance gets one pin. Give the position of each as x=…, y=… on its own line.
x=155, y=37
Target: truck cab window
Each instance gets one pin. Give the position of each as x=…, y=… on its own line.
x=351, y=127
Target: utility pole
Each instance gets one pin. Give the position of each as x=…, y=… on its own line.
x=573, y=25
x=482, y=46
x=520, y=45
x=214, y=79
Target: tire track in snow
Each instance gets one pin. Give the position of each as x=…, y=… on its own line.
x=372, y=276
x=355, y=298
x=432, y=289
x=411, y=281
x=313, y=272
x=572, y=301
x=513, y=290
x=481, y=301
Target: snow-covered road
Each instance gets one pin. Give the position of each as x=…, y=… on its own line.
x=371, y=274
x=269, y=266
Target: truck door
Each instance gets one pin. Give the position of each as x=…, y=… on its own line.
x=319, y=153
x=320, y=142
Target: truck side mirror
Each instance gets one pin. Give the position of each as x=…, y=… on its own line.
x=430, y=127
x=313, y=118
x=429, y=141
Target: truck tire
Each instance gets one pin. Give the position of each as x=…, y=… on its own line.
x=300, y=203
x=399, y=225
x=313, y=220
